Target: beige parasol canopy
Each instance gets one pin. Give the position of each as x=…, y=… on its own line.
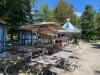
x=42, y=27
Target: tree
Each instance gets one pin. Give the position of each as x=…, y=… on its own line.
x=74, y=18
x=70, y=13
x=97, y=23
x=60, y=12
x=87, y=22
x=63, y=11
x=45, y=13
x=16, y=12
x=99, y=6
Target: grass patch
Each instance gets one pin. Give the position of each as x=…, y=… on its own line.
x=93, y=41
x=14, y=42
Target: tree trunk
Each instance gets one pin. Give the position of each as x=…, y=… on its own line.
x=11, y=38
x=88, y=38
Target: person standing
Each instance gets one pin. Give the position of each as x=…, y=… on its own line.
x=60, y=40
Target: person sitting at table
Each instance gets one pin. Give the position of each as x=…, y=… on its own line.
x=56, y=46
x=60, y=40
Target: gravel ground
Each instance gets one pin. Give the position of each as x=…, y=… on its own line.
x=90, y=63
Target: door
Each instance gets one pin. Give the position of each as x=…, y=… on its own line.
x=2, y=38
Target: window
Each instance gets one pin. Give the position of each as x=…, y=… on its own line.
x=25, y=37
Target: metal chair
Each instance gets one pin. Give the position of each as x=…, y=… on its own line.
x=45, y=51
x=78, y=57
x=57, y=70
x=57, y=67
x=69, y=65
x=28, y=57
x=30, y=64
x=9, y=63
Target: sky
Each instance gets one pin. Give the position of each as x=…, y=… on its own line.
x=79, y=5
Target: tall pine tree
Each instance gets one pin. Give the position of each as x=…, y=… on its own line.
x=87, y=22
x=60, y=12
x=63, y=11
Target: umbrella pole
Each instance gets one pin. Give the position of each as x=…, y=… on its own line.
x=37, y=38
x=37, y=35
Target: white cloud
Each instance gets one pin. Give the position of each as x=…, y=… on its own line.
x=78, y=14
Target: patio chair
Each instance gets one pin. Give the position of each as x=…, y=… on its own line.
x=29, y=64
x=44, y=51
x=9, y=63
x=73, y=60
x=27, y=56
x=20, y=49
x=56, y=70
x=69, y=65
x=57, y=67
x=78, y=57
x=59, y=63
x=82, y=51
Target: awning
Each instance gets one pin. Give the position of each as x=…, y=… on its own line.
x=42, y=27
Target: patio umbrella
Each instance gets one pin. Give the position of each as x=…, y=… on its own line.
x=68, y=28
x=67, y=31
x=42, y=27
x=52, y=34
x=68, y=25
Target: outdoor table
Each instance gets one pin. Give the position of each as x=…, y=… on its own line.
x=62, y=54
x=4, y=55
x=26, y=50
x=40, y=49
x=6, y=47
x=73, y=49
x=44, y=61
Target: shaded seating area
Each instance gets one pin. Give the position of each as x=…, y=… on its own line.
x=42, y=63
x=39, y=58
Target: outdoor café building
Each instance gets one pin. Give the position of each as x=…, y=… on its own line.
x=3, y=33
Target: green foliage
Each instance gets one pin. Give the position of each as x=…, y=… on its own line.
x=97, y=23
x=87, y=22
x=16, y=12
x=99, y=6
x=45, y=13
x=71, y=15
x=62, y=11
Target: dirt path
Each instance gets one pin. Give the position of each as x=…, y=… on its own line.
x=90, y=60
x=90, y=63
